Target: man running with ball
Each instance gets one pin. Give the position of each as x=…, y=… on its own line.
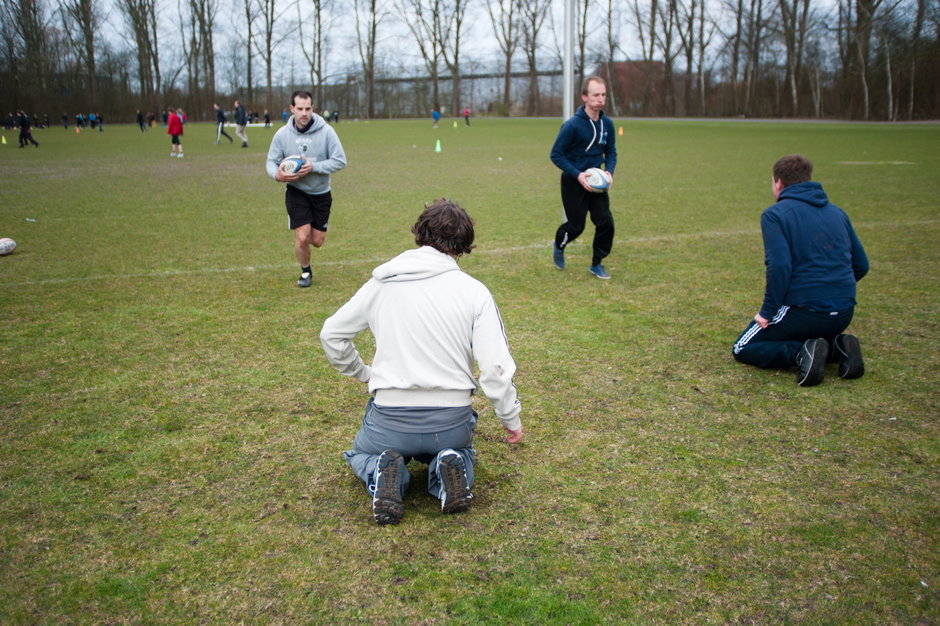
x=586, y=140
x=308, y=196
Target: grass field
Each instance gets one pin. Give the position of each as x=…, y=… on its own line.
x=171, y=433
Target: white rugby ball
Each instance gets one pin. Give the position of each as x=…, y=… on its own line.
x=7, y=246
x=291, y=164
x=598, y=179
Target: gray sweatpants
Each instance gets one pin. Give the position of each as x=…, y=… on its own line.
x=372, y=440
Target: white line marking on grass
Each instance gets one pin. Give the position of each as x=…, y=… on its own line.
x=875, y=163
x=377, y=260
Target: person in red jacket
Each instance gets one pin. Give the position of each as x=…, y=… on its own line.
x=174, y=128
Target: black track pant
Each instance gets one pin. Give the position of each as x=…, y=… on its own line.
x=578, y=203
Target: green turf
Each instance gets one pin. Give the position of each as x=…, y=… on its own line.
x=171, y=433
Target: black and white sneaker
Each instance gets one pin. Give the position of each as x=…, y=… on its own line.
x=455, y=490
x=305, y=279
x=558, y=256
x=849, y=353
x=387, y=505
x=812, y=362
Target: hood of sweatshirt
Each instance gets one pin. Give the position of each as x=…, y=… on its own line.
x=811, y=193
x=315, y=125
x=419, y=264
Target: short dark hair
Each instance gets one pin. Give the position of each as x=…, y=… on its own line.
x=587, y=81
x=306, y=95
x=793, y=169
x=445, y=226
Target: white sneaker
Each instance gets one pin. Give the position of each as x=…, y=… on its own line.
x=180, y=155
x=455, y=492
x=172, y=154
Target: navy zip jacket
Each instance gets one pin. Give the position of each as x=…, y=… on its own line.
x=812, y=254
x=583, y=143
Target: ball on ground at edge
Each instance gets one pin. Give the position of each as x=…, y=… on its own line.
x=7, y=246
x=597, y=179
x=291, y=164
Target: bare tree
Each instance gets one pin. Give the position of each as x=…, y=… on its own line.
x=755, y=28
x=505, y=19
x=369, y=14
x=84, y=15
x=613, y=37
x=795, y=16
x=734, y=46
x=451, y=37
x=706, y=31
x=915, y=46
x=322, y=9
x=687, y=14
x=426, y=20
x=140, y=18
x=190, y=47
x=645, y=19
x=270, y=39
x=204, y=14
x=665, y=38
x=251, y=12
x=533, y=13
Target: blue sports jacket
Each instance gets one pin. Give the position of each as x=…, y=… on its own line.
x=583, y=143
x=812, y=254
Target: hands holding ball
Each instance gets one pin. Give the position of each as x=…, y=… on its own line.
x=292, y=168
x=595, y=179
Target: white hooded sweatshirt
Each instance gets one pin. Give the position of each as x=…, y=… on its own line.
x=430, y=321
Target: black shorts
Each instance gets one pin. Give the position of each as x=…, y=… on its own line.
x=304, y=208
x=175, y=140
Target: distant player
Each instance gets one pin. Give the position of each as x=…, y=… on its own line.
x=220, y=122
x=26, y=133
x=585, y=141
x=813, y=261
x=174, y=128
x=241, y=123
x=308, y=197
x=431, y=322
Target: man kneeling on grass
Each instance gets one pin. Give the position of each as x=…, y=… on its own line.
x=430, y=321
x=814, y=259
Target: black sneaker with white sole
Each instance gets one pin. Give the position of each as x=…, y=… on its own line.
x=812, y=362
x=305, y=279
x=849, y=354
x=455, y=490
x=387, y=505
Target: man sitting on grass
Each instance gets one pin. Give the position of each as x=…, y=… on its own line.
x=430, y=322
x=814, y=260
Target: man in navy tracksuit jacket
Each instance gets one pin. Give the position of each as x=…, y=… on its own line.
x=814, y=260
x=220, y=125
x=585, y=141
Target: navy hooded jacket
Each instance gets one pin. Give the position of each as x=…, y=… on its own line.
x=583, y=143
x=812, y=254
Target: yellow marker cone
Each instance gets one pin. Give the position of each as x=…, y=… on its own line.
x=4, y=139
x=437, y=148
x=620, y=131
x=455, y=123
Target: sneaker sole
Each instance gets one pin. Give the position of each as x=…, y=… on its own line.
x=387, y=505
x=851, y=364
x=817, y=367
x=457, y=496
